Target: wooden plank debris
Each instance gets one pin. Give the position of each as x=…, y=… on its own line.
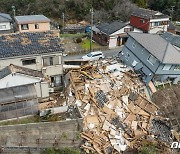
x=116, y=112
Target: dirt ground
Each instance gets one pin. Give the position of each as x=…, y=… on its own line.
x=169, y=102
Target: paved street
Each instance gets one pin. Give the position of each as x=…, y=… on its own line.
x=107, y=53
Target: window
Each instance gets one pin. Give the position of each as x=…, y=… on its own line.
x=134, y=44
x=166, y=67
x=142, y=20
x=152, y=59
x=97, y=55
x=49, y=61
x=177, y=68
x=156, y=23
x=29, y=62
x=2, y=26
x=24, y=27
x=127, y=56
x=127, y=29
x=36, y=26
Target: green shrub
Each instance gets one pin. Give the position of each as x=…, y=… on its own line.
x=78, y=40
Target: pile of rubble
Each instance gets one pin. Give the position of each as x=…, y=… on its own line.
x=112, y=100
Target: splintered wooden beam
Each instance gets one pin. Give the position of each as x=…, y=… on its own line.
x=74, y=87
x=85, y=73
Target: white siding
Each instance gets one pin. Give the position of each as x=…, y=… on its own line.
x=157, y=20
x=112, y=42
x=158, y=28
x=5, y=26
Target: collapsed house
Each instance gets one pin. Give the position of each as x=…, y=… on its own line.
x=113, y=103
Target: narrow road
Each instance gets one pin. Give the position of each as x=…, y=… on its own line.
x=107, y=53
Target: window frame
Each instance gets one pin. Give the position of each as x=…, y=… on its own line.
x=22, y=27
x=134, y=44
x=151, y=56
x=166, y=68
x=31, y=59
x=2, y=26
x=51, y=61
x=36, y=26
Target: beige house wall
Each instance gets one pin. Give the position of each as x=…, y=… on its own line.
x=42, y=27
x=48, y=70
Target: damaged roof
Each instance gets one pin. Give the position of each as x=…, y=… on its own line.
x=17, y=69
x=163, y=50
x=148, y=14
x=29, y=43
x=5, y=17
x=109, y=28
x=172, y=38
x=31, y=19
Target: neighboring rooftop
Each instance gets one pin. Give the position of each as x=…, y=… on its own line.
x=17, y=69
x=174, y=39
x=110, y=28
x=146, y=13
x=29, y=43
x=5, y=17
x=31, y=19
x=163, y=50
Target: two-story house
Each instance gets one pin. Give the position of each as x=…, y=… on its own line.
x=40, y=51
x=5, y=23
x=152, y=56
x=112, y=34
x=32, y=23
x=149, y=21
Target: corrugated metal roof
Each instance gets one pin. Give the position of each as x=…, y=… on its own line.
x=158, y=46
x=31, y=19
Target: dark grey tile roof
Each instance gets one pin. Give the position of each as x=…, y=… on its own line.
x=17, y=69
x=31, y=19
x=22, y=44
x=5, y=17
x=109, y=28
x=163, y=50
x=146, y=13
x=174, y=39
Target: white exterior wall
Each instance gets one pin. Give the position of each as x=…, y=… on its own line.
x=42, y=89
x=112, y=42
x=51, y=70
x=114, y=36
x=7, y=24
x=155, y=29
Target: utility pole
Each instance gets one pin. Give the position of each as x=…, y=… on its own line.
x=14, y=10
x=92, y=13
x=172, y=10
x=63, y=22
